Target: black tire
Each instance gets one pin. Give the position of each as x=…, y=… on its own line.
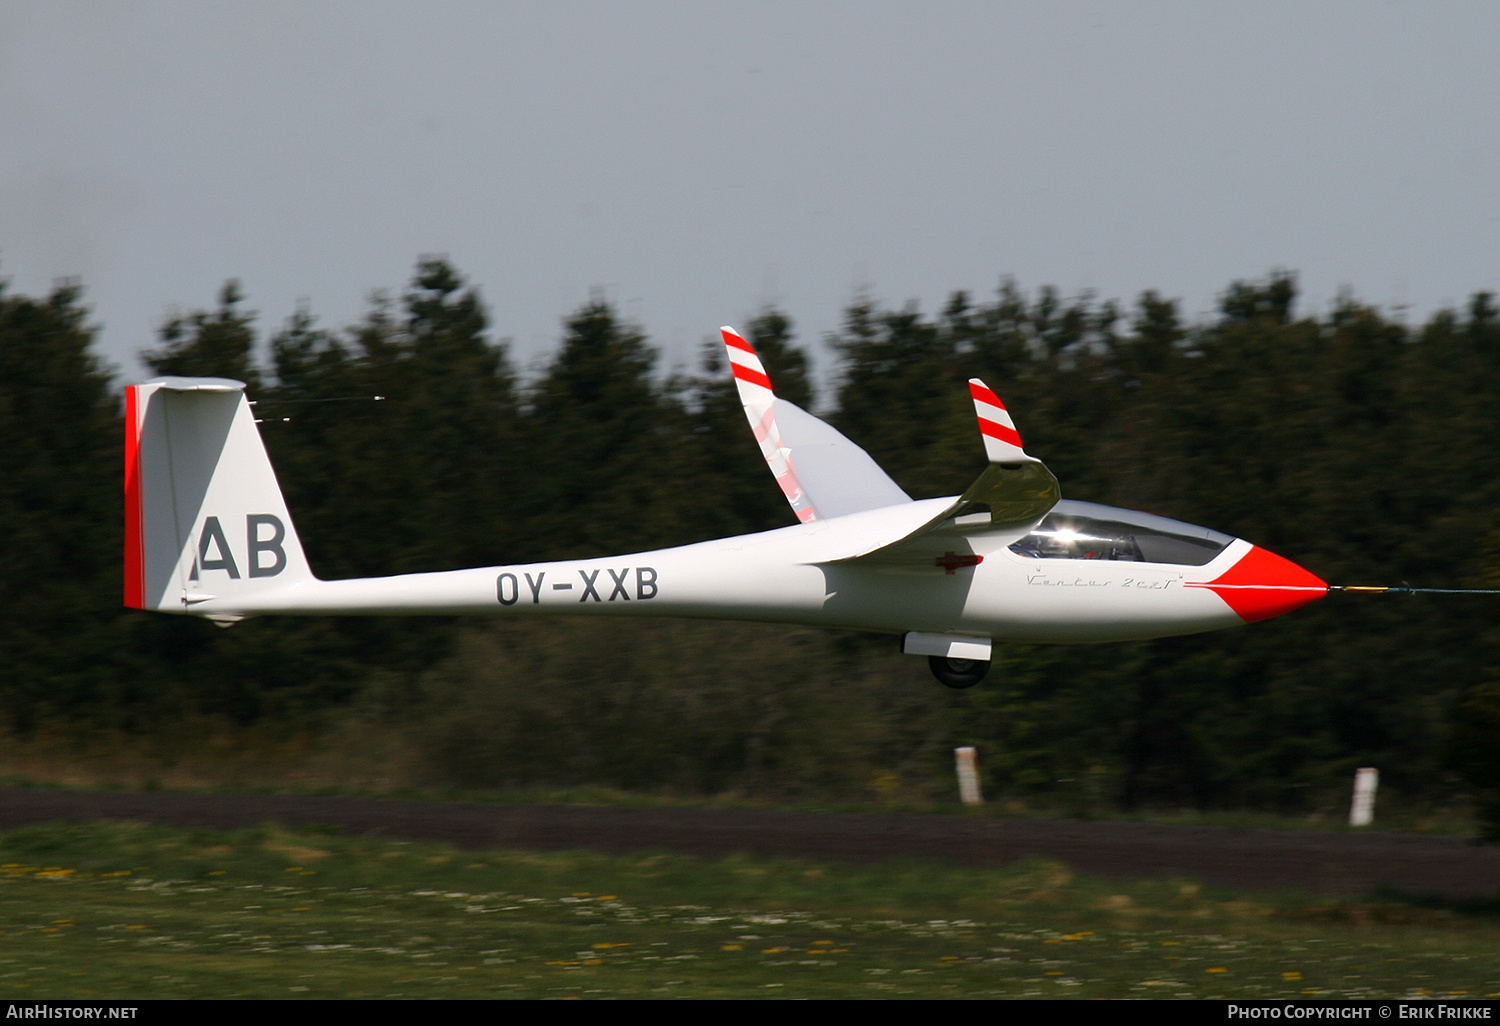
x=958, y=673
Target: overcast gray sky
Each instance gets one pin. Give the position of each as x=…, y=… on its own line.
x=697, y=160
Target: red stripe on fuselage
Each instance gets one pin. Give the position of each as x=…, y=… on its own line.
x=135, y=579
x=1262, y=584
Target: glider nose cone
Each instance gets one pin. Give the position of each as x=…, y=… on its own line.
x=1262, y=585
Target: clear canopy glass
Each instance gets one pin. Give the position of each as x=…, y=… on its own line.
x=1087, y=530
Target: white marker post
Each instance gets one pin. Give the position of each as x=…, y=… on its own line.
x=1362, y=812
x=968, y=776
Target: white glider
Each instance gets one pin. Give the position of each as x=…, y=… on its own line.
x=208, y=534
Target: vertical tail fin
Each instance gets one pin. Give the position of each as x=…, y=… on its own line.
x=204, y=516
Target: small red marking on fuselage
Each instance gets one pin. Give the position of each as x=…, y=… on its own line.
x=951, y=561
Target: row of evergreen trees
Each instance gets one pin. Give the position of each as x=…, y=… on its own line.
x=1362, y=448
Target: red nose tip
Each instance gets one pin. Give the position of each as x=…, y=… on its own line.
x=1262, y=585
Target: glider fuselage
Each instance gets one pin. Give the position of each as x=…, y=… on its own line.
x=806, y=574
x=208, y=534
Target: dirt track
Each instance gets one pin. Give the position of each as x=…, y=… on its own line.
x=1321, y=863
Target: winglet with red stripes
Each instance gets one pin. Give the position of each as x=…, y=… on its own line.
x=1002, y=442
x=760, y=409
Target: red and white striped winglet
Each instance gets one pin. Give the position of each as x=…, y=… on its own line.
x=760, y=409
x=1002, y=443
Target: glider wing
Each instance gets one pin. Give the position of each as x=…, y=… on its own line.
x=1016, y=490
x=821, y=473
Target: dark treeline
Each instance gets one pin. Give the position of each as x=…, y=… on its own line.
x=1361, y=447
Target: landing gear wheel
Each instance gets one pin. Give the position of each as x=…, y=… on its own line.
x=958, y=673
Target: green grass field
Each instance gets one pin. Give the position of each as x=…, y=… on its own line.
x=129, y=911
